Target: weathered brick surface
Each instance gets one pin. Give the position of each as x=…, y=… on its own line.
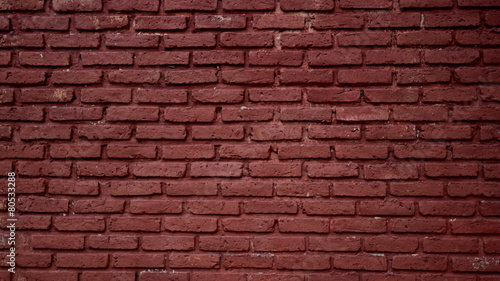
x=251, y=140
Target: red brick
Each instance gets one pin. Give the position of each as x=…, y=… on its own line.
x=417, y=189
x=304, y=40
x=273, y=169
x=424, y=38
x=44, y=58
x=160, y=96
x=437, y=208
x=268, y=133
x=403, y=56
x=318, y=207
x=134, y=5
x=189, y=224
x=359, y=189
x=279, y=21
x=463, y=189
x=79, y=223
x=232, y=5
x=492, y=246
x=166, y=243
x=270, y=207
x=58, y=242
x=317, y=114
x=258, y=39
x=426, y=3
x=155, y=207
x=217, y=277
x=309, y=262
x=109, y=242
x=299, y=225
x=248, y=225
x=202, y=151
x=30, y=5
x=91, y=132
x=45, y=95
x=132, y=41
x=477, y=37
x=199, y=76
x=353, y=114
x=451, y=56
x=224, y=244
x=394, y=20
x=450, y=245
x=108, y=95
x=478, y=264
x=101, y=169
x=189, y=40
x=422, y=113
x=98, y=206
x=285, y=58
x=134, y=224
x=161, y=58
x=441, y=95
x=178, y=114
x=161, y=170
x=138, y=260
x=68, y=187
x=491, y=171
x=191, y=188
x=77, y=6
x=391, y=244
x=477, y=3
x=244, y=151
x=161, y=132
x=231, y=114
x=436, y=170
x=474, y=227
x=361, y=152
x=6, y=95
x=87, y=40
x=220, y=22
x=131, y=151
x=492, y=18
x=212, y=207
x=248, y=261
x=278, y=244
x=134, y=76
x=361, y=262
x=420, y=151
x=80, y=77
x=194, y=260
x=228, y=132
x=320, y=170
x=334, y=132
x=247, y=188
x=134, y=188
x=34, y=260
x=420, y=262
x=132, y=114
x=101, y=22
x=22, y=40
x=22, y=77
x=325, y=58
x=338, y=21
x=418, y=226
x=105, y=276
x=490, y=94
x=476, y=152
x=22, y=151
x=390, y=171
x=303, y=151
x=216, y=169
x=61, y=132
x=370, y=4
x=160, y=23
x=75, y=151
x=359, y=39
x=44, y=168
x=248, y=76
x=218, y=57
x=469, y=113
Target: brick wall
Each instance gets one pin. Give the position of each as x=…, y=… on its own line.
x=290, y=140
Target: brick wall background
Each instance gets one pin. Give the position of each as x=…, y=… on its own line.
x=290, y=140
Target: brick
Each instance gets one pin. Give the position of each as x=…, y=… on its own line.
x=478, y=264
x=134, y=76
x=135, y=5
x=77, y=6
x=191, y=188
x=268, y=133
x=248, y=225
x=161, y=132
x=353, y=114
x=490, y=94
x=155, y=207
x=192, y=224
x=101, y=169
x=6, y=95
x=424, y=38
x=44, y=58
x=132, y=114
x=113, y=242
x=418, y=226
x=362, y=262
x=231, y=114
x=90, y=132
x=334, y=244
x=161, y=58
x=463, y=189
x=217, y=276
x=450, y=245
x=461, y=19
x=60, y=132
x=276, y=207
x=36, y=204
x=303, y=151
x=27, y=186
x=68, y=187
x=417, y=189
x=292, y=76
x=248, y=261
x=445, y=132
x=475, y=37
x=31, y=5
x=468, y=113
x=359, y=189
x=45, y=95
x=22, y=151
x=491, y=18
x=49, y=275
x=247, y=188
x=420, y=151
x=101, y=22
x=201, y=151
x=320, y=170
x=365, y=76
x=194, y=260
x=216, y=169
x=429, y=4
x=270, y=169
x=228, y=132
x=44, y=168
x=5, y=132
x=285, y=58
x=347, y=39
x=278, y=244
x=477, y=75
x=334, y=132
x=174, y=114
x=422, y=113
x=104, y=276
x=318, y=207
x=390, y=207
x=437, y=208
x=474, y=227
x=134, y=188
x=491, y=171
x=132, y=41
x=189, y=40
x=451, y=170
x=489, y=132
x=244, y=152
x=87, y=40
x=74, y=113
x=451, y=56
x=394, y=20
x=441, y=95
x=248, y=76
x=58, y=242
x=258, y=39
x=477, y=3
x=22, y=77
x=491, y=245
x=338, y=21
x=79, y=77
x=371, y=4
x=310, y=262
x=134, y=224
x=420, y=262
x=299, y=225
x=275, y=95
x=79, y=223
x=160, y=170
x=475, y=152
x=325, y=58
x=197, y=5
x=218, y=57
x=161, y=96
x=212, y=207
x=131, y=151
x=98, y=206
x=21, y=40
x=315, y=114
x=306, y=40
x=402, y=57
x=160, y=23
x=278, y=21
x=106, y=58
x=34, y=260
x=220, y=22
x=166, y=243
x=423, y=76
x=361, y=152
x=75, y=151
x=390, y=171
x=199, y=76
x=224, y=244
x=138, y=260
x=238, y=5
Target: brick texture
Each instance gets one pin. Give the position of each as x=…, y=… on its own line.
x=251, y=140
